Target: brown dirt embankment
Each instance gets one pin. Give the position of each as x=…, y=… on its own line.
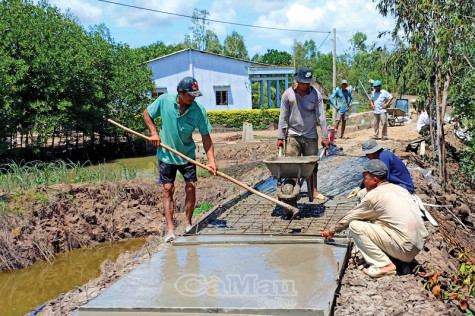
x=64, y=217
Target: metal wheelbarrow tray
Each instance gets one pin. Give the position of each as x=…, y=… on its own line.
x=396, y=116
x=292, y=167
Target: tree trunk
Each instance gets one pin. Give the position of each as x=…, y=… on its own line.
x=445, y=95
x=441, y=102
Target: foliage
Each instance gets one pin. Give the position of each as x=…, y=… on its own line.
x=274, y=57
x=234, y=46
x=59, y=80
x=198, y=30
x=204, y=207
x=14, y=176
x=237, y=117
x=157, y=49
x=462, y=281
x=439, y=33
x=467, y=163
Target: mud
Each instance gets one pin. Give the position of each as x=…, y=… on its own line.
x=406, y=294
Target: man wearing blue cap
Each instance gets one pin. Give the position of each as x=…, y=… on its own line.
x=380, y=100
x=180, y=116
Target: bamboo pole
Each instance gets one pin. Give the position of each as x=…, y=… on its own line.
x=295, y=211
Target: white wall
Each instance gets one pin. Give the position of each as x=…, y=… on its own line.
x=210, y=71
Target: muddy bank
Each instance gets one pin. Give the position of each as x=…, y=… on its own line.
x=422, y=291
x=64, y=217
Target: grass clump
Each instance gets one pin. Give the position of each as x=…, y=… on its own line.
x=27, y=175
x=204, y=207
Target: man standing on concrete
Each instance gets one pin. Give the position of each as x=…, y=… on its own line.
x=180, y=116
x=386, y=223
x=344, y=100
x=301, y=109
x=397, y=170
x=380, y=100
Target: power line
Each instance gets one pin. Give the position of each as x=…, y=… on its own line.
x=323, y=42
x=211, y=20
x=344, y=50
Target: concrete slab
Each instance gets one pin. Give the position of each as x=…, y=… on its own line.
x=241, y=275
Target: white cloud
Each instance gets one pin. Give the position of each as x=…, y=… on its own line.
x=143, y=19
x=347, y=17
x=222, y=11
x=86, y=13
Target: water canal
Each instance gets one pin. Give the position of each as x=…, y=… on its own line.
x=21, y=291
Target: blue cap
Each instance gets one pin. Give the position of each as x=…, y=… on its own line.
x=377, y=83
x=190, y=85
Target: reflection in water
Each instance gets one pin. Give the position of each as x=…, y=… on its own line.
x=23, y=290
x=146, y=167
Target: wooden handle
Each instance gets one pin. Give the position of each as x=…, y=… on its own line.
x=294, y=210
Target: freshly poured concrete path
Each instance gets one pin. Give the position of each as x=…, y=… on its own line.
x=245, y=259
x=255, y=275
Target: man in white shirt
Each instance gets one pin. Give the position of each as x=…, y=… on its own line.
x=380, y=100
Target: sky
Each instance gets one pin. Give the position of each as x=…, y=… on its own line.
x=137, y=27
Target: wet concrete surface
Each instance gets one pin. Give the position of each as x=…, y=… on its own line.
x=246, y=258
x=258, y=275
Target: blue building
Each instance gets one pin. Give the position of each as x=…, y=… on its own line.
x=224, y=81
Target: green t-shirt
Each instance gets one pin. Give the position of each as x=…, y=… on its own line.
x=176, y=129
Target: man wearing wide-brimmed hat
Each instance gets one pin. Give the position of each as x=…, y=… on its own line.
x=397, y=170
x=301, y=110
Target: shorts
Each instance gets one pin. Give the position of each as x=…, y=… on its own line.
x=167, y=172
x=299, y=145
x=341, y=116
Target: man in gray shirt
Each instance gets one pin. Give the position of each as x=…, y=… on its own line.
x=301, y=110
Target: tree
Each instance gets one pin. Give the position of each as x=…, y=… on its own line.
x=198, y=29
x=441, y=32
x=212, y=43
x=357, y=42
x=234, y=46
x=157, y=49
x=275, y=57
x=58, y=79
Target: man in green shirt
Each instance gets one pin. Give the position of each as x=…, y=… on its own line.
x=180, y=115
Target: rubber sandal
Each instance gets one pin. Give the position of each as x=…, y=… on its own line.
x=188, y=229
x=169, y=237
x=321, y=197
x=376, y=272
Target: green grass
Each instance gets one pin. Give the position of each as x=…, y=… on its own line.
x=14, y=176
x=204, y=207
x=265, y=137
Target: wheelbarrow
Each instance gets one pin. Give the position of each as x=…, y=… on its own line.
x=291, y=172
x=396, y=116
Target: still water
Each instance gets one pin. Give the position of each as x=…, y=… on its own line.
x=146, y=167
x=22, y=291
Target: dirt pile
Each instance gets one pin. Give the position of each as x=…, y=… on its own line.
x=437, y=272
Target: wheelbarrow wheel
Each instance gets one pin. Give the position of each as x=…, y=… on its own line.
x=391, y=121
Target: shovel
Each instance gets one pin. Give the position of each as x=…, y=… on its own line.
x=291, y=208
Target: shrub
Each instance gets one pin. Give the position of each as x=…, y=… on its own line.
x=235, y=118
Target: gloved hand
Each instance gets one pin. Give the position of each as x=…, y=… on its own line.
x=354, y=192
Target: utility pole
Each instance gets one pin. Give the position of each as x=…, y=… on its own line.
x=334, y=73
